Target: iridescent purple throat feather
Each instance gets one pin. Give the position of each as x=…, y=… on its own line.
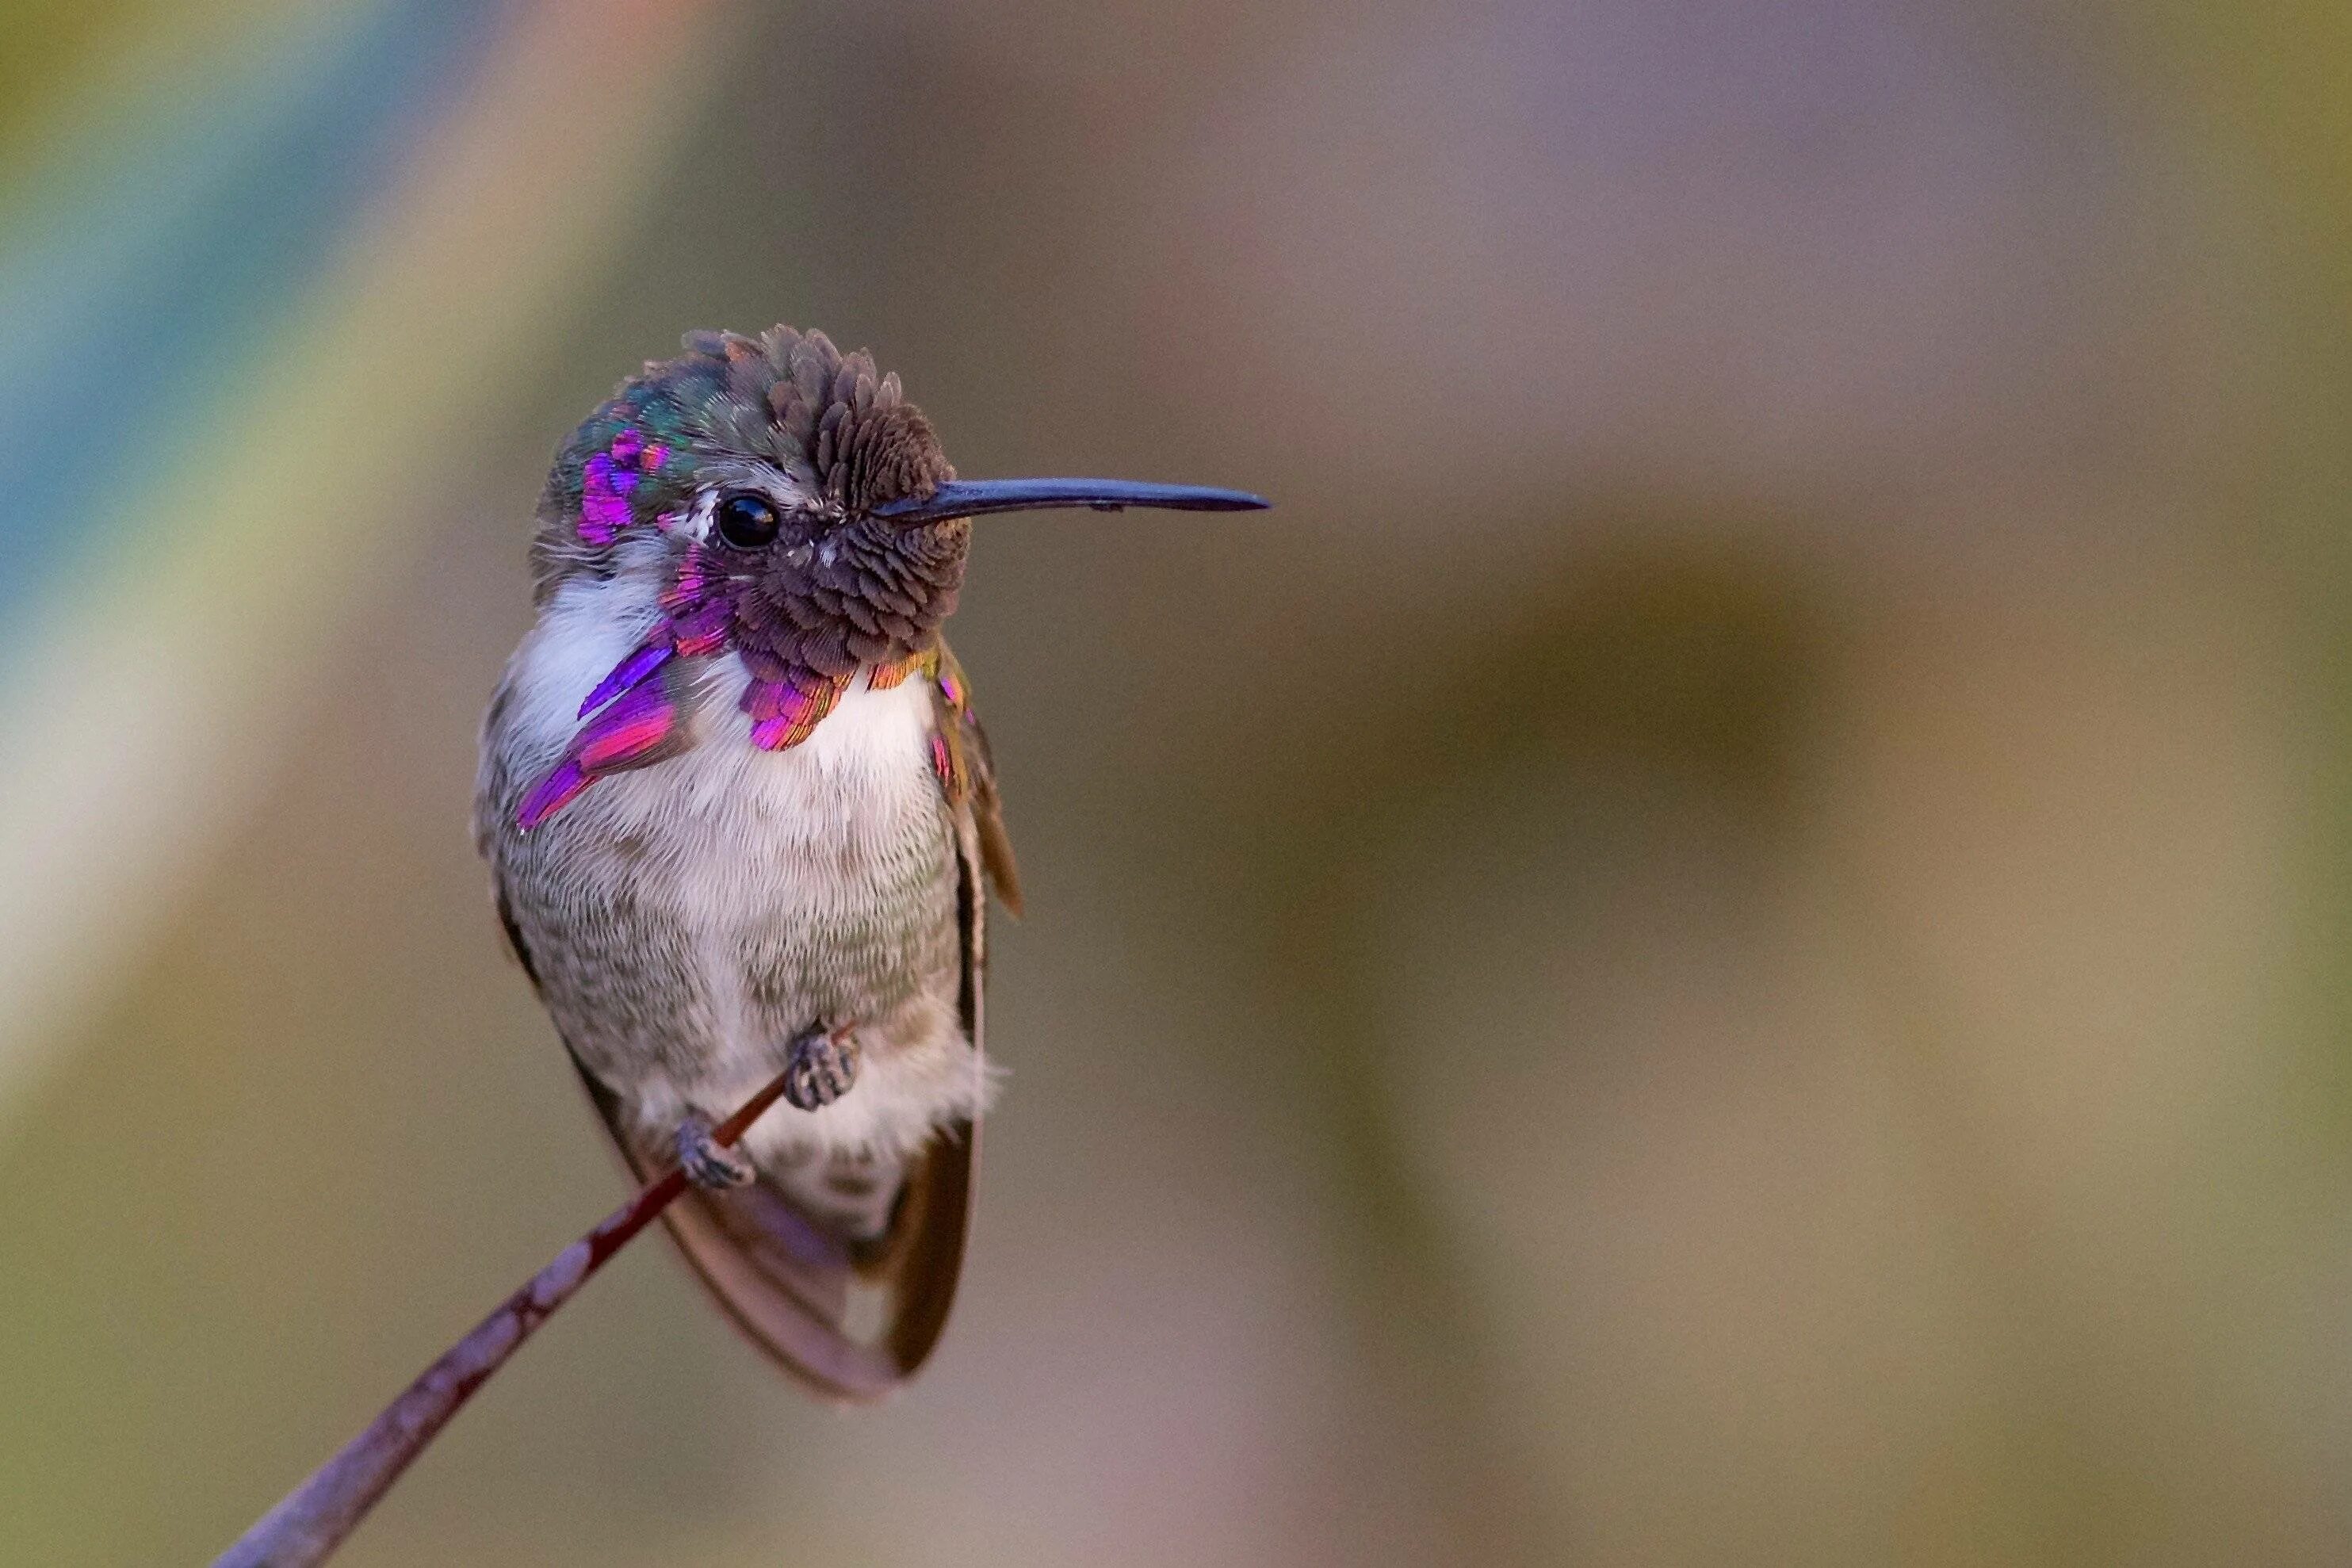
x=839, y=590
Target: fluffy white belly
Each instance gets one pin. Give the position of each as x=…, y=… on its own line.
x=689, y=917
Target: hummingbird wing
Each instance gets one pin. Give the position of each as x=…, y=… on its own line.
x=968, y=772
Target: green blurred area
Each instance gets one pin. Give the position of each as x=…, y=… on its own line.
x=1723, y=942
x=63, y=60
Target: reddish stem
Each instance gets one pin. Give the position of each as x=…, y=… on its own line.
x=315, y=1517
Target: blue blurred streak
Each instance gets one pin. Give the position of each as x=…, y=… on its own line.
x=142, y=287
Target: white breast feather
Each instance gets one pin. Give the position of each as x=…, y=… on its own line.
x=861, y=780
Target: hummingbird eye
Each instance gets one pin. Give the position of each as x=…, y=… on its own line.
x=745, y=521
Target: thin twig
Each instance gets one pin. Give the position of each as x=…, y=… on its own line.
x=314, y=1519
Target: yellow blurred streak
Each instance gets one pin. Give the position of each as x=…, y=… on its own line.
x=64, y=57
x=2264, y=86
x=2272, y=77
x=138, y=705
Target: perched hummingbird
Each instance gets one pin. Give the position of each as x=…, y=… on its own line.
x=741, y=820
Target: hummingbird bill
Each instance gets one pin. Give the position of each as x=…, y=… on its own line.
x=741, y=820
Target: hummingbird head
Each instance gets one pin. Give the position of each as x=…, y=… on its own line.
x=791, y=506
x=801, y=509
x=747, y=475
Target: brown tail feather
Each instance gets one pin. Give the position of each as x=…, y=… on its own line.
x=851, y=1322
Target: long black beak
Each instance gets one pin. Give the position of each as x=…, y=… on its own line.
x=970, y=497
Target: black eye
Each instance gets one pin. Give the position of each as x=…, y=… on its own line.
x=745, y=522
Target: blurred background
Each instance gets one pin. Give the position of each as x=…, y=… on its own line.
x=1724, y=943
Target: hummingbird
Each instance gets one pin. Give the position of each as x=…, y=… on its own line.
x=743, y=821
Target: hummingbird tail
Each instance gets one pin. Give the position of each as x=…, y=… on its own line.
x=846, y=1290
x=846, y=1283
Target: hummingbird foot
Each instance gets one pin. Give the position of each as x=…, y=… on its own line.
x=706, y=1163
x=822, y=1066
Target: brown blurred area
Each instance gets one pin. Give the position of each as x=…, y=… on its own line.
x=1722, y=942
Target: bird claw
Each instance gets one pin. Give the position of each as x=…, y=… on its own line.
x=707, y=1163
x=822, y=1066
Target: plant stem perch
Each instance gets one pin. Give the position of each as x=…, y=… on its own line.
x=315, y=1517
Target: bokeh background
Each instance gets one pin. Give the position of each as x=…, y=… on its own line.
x=1724, y=942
